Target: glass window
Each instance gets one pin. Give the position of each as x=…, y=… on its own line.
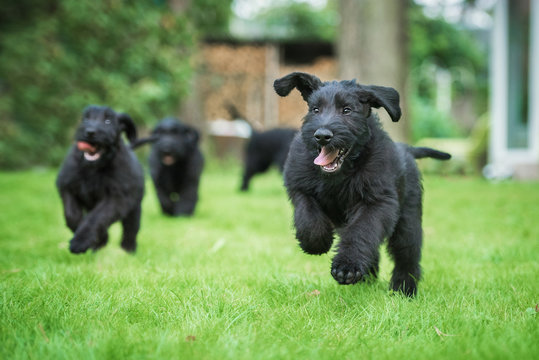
x=518, y=86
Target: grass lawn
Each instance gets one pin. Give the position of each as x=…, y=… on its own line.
x=231, y=283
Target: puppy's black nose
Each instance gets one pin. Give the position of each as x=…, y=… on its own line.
x=323, y=136
x=90, y=132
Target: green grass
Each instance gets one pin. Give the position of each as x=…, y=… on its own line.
x=231, y=283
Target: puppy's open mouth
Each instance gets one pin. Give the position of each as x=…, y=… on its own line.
x=91, y=152
x=331, y=161
x=168, y=160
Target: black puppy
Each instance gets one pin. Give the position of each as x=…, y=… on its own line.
x=344, y=174
x=176, y=164
x=266, y=148
x=101, y=181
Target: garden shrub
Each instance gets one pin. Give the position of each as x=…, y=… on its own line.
x=131, y=55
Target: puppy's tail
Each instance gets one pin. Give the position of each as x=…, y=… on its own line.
x=139, y=142
x=423, y=152
x=234, y=112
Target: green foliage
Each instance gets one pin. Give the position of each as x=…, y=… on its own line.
x=211, y=16
x=443, y=44
x=232, y=283
x=479, y=138
x=436, y=44
x=22, y=13
x=131, y=55
x=429, y=122
x=299, y=21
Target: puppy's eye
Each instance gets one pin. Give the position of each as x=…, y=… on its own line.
x=346, y=111
x=107, y=121
x=316, y=110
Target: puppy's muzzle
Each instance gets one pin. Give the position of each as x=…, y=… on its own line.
x=329, y=158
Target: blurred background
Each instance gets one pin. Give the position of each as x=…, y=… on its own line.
x=467, y=71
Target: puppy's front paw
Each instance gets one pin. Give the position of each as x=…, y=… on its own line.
x=347, y=272
x=77, y=248
x=81, y=242
x=316, y=239
x=316, y=245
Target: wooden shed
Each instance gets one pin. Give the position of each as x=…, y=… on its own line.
x=242, y=74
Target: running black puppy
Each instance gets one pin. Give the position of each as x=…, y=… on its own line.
x=101, y=181
x=345, y=175
x=176, y=164
x=266, y=148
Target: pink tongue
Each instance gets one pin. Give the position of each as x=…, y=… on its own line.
x=84, y=146
x=168, y=160
x=325, y=158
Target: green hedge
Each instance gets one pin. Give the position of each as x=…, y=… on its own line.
x=131, y=55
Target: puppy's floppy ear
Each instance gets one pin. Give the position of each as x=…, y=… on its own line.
x=305, y=83
x=381, y=96
x=127, y=125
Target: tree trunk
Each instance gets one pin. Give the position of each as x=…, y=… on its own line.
x=372, y=48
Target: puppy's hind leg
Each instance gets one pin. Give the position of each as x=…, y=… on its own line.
x=245, y=180
x=131, y=226
x=253, y=165
x=405, y=248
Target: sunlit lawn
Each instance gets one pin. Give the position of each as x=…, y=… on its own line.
x=231, y=283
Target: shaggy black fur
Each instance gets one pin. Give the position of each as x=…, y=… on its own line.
x=264, y=149
x=176, y=164
x=345, y=175
x=101, y=181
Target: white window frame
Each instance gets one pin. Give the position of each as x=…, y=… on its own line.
x=500, y=154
